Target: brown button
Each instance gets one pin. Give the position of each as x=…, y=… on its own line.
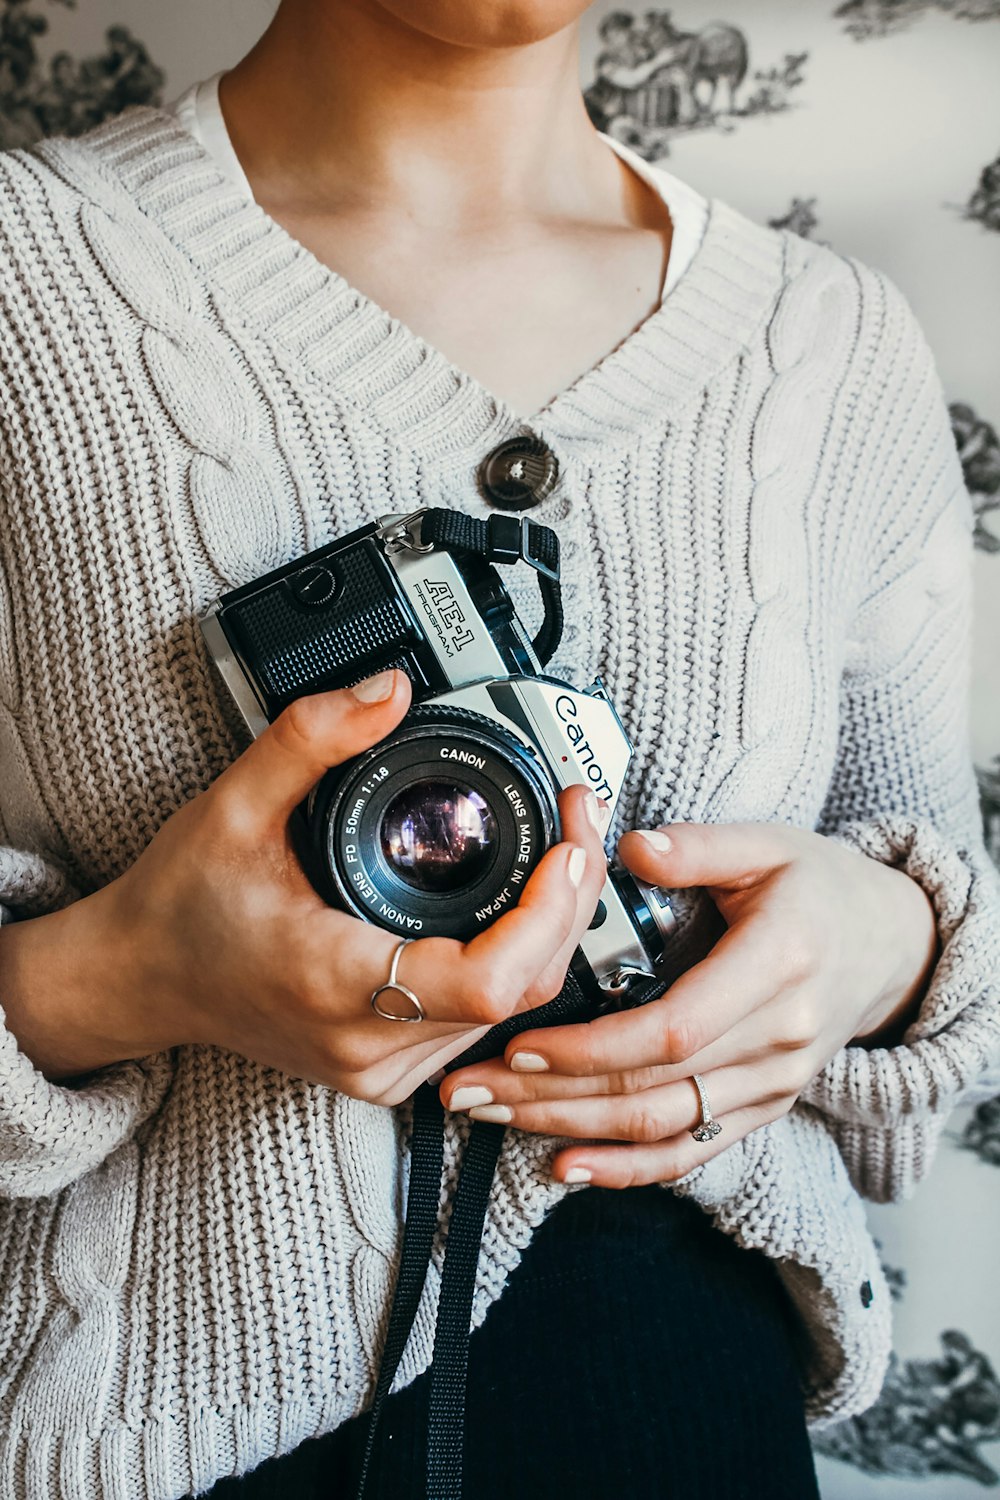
x=518, y=474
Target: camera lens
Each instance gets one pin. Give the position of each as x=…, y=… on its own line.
x=434, y=831
x=438, y=836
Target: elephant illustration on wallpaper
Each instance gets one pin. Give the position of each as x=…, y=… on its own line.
x=653, y=79
x=67, y=95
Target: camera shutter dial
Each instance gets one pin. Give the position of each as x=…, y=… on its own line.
x=315, y=584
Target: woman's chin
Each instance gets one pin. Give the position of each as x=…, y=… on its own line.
x=486, y=23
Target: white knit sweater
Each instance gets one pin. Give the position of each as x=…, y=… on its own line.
x=767, y=547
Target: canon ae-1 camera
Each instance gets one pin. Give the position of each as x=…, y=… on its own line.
x=435, y=830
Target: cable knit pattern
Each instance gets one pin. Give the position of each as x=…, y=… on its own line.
x=766, y=546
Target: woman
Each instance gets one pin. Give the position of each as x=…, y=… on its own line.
x=765, y=543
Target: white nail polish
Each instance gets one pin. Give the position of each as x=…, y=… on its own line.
x=375, y=689
x=493, y=1114
x=465, y=1098
x=576, y=865
x=578, y=1174
x=660, y=841
x=599, y=814
x=528, y=1062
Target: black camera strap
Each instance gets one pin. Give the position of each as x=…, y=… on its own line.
x=498, y=539
x=446, y=1415
x=506, y=539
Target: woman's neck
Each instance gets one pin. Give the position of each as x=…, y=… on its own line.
x=349, y=106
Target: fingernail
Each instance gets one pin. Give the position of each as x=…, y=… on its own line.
x=464, y=1098
x=578, y=1174
x=493, y=1114
x=576, y=866
x=375, y=689
x=657, y=839
x=598, y=812
x=528, y=1062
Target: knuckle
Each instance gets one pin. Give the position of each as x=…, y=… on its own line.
x=679, y=1039
x=799, y=955
x=671, y=1169
x=782, y=1106
x=801, y=1025
x=301, y=722
x=343, y=1050
x=798, y=1071
x=546, y=987
x=487, y=998
x=231, y=820
x=644, y=1125
x=631, y=1081
x=585, y=1063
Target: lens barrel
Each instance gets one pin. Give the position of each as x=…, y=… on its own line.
x=435, y=830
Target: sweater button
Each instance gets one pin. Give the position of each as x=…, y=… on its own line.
x=867, y=1295
x=518, y=474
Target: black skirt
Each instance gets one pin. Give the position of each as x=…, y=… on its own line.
x=637, y=1353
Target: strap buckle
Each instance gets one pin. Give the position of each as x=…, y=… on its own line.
x=401, y=533
x=510, y=542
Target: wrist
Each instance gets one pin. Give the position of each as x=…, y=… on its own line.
x=912, y=928
x=66, y=990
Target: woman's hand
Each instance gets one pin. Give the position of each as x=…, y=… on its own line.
x=824, y=946
x=215, y=935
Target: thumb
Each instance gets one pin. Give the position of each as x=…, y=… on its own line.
x=312, y=734
x=728, y=856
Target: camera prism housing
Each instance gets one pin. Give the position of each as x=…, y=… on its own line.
x=435, y=830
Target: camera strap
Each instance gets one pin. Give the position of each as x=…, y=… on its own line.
x=506, y=539
x=449, y=1365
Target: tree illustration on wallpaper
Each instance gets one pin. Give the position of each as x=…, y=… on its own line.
x=984, y=204
x=982, y=1130
x=932, y=1417
x=68, y=95
x=800, y=218
x=865, y=19
x=979, y=449
x=653, y=79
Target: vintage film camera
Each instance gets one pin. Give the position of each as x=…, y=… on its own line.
x=434, y=831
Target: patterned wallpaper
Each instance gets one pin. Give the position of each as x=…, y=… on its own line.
x=872, y=125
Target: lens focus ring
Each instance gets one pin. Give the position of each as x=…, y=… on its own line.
x=435, y=831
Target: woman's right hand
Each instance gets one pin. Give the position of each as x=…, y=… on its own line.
x=215, y=934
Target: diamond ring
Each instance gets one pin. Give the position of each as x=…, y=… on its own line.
x=709, y=1127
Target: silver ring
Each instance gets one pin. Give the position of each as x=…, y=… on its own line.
x=709, y=1127
x=392, y=983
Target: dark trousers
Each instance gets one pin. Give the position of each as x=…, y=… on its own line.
x=637, y=1354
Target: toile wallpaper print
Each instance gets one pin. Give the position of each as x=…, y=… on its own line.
x=874, y=126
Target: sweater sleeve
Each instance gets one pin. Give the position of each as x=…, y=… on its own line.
x=53, y=1133
x=903, y=788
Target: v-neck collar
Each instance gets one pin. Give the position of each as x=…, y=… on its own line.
x=271, y=282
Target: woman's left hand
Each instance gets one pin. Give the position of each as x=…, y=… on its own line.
x=823, y=947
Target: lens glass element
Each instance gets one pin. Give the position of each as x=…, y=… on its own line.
x=438, y=836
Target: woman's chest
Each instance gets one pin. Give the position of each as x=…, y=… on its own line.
x=689, y=586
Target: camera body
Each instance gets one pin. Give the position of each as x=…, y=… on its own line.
x=435, y=830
